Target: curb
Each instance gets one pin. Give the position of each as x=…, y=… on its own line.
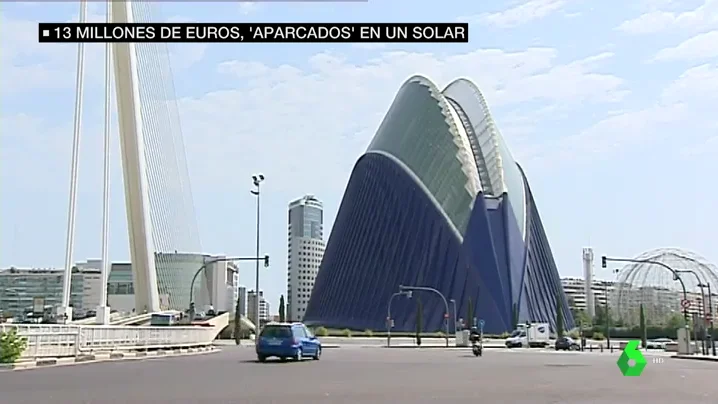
x=697, y=358
x=431, y=347
x=106, y=357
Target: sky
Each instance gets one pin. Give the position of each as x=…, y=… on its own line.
x=610, y=110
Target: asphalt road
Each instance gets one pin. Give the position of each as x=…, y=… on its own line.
x=367, y=375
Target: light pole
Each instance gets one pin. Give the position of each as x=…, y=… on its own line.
x=257, y=181
x=210, y=262
x=710, y=310
x=608, y=313
x=403, y=288
x=700, y=285
x=453, y=303
x=389, y=320
x=676, y=276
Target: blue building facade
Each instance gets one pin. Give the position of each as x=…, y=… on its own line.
x=437, y=201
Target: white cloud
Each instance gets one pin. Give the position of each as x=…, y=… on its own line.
x=369, y=45
x=307, y=127
x=698, y=83
x=685, y=102
x=619, y=132
x=708, y=147
x=520, y=14
x=703, y=17
x=701, y=46
x=246, y=8
x=28, y=65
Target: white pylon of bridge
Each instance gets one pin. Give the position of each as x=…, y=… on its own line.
x=123, y=57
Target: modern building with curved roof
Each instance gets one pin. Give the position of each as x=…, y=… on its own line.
x=437, y=201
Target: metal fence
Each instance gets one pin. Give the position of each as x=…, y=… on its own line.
x=74, y=340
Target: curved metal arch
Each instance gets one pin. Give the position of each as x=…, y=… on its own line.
x=501, y=172
x=442, y=151
x=422, y=186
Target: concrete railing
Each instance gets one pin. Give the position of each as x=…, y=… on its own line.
x=56, y=341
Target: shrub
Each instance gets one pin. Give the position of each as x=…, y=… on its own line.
x=321, y=332
x=505, y=335
x=12, y=346
x=347, y=332
x=440, y=334
x=368, y=333
x=574, y=334
x=598, y=336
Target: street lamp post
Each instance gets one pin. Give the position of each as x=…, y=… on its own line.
x=701, y=285
x=213, y=261
x=257, y=181
x=403, y=288
x=608, y=313
x=710, y=310
x=456, y=316
x=676, y=276
x=389, y=320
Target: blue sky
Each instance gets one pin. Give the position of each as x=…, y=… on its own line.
x=611, y=111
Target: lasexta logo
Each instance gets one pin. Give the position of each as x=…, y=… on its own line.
x=631, y=362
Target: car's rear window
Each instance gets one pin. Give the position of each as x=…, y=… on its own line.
x=275, y=331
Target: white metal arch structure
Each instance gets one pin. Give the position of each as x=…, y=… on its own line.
x=136, y=183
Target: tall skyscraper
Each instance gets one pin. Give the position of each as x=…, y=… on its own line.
x=252, y=304
x=305, y=252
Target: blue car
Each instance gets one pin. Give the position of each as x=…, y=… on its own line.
x=283, y=341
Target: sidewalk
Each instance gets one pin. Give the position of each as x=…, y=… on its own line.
x=697, y=357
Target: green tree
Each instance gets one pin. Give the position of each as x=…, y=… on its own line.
x=282, y=309
x=559, y=315
x=419, y=320
x=12, y=346
x=603, y=316
x=581, y=317
x=642, y=321
x=674, y=321
x=470, y=313
x=237, y=322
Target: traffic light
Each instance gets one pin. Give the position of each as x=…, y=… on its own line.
x=603, y=262
x=266, y=261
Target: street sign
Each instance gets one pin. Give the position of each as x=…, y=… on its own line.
x=685, y=303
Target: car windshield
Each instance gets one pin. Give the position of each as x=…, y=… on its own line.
x=517, y=333
x=276, y=331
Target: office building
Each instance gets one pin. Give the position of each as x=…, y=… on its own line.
x=304, y=253
x=659, y=303
x=438, y=201
x=576, y=293
x=252, y=306
x=19, y=287
x=216, y=286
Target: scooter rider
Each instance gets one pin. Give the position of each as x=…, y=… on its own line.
x=475, y=335
x=475, y=338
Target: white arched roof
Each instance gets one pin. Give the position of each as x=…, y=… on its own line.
x=450, y=142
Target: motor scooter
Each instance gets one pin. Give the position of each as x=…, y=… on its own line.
x=477, y=343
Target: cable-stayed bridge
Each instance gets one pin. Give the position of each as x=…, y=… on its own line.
x=165, y=248
x=157, y=192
